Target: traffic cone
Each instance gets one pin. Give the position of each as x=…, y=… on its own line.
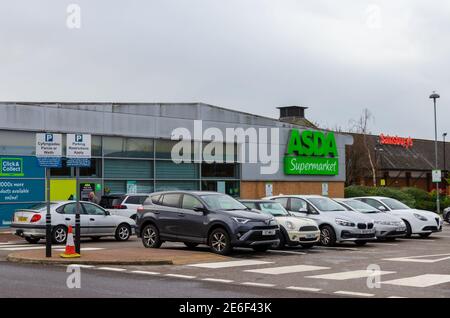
x=70, y=246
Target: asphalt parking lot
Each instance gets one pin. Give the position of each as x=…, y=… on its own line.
x=403, y=268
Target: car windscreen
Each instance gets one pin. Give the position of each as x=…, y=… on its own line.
x=395, y=204
x=273, y=208
x=222, y=202
x=326, y=204
x=361, y=206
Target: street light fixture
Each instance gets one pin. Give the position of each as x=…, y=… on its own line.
x=445, y=161
x=435, y=96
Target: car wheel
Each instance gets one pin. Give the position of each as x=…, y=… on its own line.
x=59, y=234
x=32, y=240
x=261, y=248
x=190, y=245
x=123, y=232
x=150, y=237
x=327, y=236
x=219, y=241
x=408, y=229
x=447, y=218
x=360, y=243
x=280, y=245
x=424, y=235
x=306, y=246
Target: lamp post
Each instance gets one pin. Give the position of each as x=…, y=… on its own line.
x=435, y=96
x=445, y=161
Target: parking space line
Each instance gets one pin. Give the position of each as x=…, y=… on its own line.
x=350, y=293
x=420, y=258
x=338, y=248
x=82, y=265
x=426, y=280
x=350, y=275
x=145, y=272
x=304, y=288
x=180, y=276
x=287, y=252
x=286, y=269
x=397, y=297
x=112, y=269
x=257, y=284
x=218, y=280
x=217, y=265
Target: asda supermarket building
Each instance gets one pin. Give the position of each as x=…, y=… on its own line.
x=132, y=151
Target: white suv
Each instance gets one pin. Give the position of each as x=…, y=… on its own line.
x=123, y=204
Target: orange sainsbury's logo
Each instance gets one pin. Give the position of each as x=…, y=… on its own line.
x=396, y=141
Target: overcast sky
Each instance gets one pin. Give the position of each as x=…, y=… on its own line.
x=336, y=57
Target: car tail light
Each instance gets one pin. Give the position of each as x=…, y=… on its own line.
x=120, y=207
x=140, y=209
x=35, y=218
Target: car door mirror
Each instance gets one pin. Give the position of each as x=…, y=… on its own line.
x=303, y=210
x=199, y=208
x=382, y=208
x=107, y=213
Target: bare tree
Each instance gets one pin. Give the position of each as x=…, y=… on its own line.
x=361, y=126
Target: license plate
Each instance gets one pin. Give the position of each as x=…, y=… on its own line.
x=22, y=218
x=366, y=231
x=310, y=236
x=268, y=232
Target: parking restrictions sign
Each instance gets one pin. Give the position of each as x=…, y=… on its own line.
x=78, y=150
x=437, y=175
x=49, y=150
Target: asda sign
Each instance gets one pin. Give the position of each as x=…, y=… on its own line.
x=311, y=153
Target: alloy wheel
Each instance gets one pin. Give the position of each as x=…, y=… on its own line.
x=124, y=233
x=60, y=235
x=325, y=237
x=150, y=236
x=218, y=241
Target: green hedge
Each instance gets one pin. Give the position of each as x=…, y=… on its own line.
x=413, y=197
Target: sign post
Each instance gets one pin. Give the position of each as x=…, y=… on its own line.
x=48, y=153
x=78, y=155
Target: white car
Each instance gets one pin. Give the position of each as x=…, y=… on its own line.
x=447, y=214
x=294, y=230
x=123, y=204
x=417, y=221
x=94, y=220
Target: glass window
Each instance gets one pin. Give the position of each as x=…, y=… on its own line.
x=176, y=185
x=374, y=203
x=64, y=171
x=163, y=148
x=395, y=204
x=17, y=143
x=70, y=208
x=92, y=209
x=220, y=170
x=282, y=201
x=297, y=204
x=172, y=200
x=109, y=201
x=94, y=171
x=231, y=187
x=189, y=202
x=273, y=208
x=170, y=170
x=128, y=169
x=222, y=202
x=127, y=147
x=115, y=187
x=136, y=199
x=326, y=204
x=155, y=198
x=250, y=205
x=360, y=206
x=96, y=146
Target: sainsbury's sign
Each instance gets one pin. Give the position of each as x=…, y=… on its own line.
x=396, y=141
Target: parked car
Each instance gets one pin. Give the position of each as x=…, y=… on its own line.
x=336, y=224
x=293, y=230
x=447, y=214
x=386, y=226
x=196, y=217
x=123, y=204
x=418, y=222
x=95, y=222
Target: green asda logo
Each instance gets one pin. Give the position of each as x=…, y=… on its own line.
x=11, y=167
x=311, y=153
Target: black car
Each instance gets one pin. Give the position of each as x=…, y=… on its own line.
x=196, y=217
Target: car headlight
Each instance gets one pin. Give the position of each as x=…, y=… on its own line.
x=241, y=220
x=420, y=217
x=289, y=225
x=344, y=222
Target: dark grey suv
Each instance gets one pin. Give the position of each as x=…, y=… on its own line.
x=209, y=218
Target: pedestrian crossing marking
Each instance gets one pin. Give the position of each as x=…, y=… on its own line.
x=228, y=264
x=286, y=269
x=426, y=280
x=304, y=288
x=350, y=293
x=351, y=274
x=420, y=259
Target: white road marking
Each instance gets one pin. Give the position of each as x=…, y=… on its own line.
x=145, y=272
x=304, y=288
x=426, y=280
x=180, y=276
x=217, y=280
x=229, y=264
x=350, y=293
x=287, y=252
x=82, y=265
x=112, y=269
x=417, y=239
x=351, y=275
x=286, y=269
x=257, y=284
x=446, y=236
x=420, y=258
x=338, y=248
x=396, y=297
